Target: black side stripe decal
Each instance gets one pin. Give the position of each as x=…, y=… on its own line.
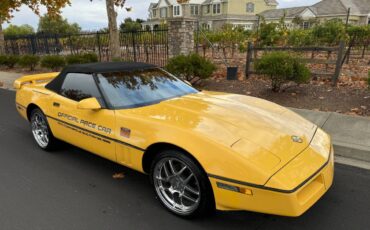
x=98, y=134
x=269, y=188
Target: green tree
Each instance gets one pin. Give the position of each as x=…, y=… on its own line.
x=8, y=7
x=300, y=37
x=57, y=25
x=298, y=21
x=114, y=46
x=269, y=34
x=329, y=32
x=361, y=34
x=129, y=25
x=14, y=30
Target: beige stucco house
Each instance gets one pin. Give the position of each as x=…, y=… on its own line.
x=211, y=14
x=323, y=11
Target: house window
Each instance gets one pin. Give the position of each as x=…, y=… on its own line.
x=250, y=7
x=163, y=12
x=208, y=9
x=217, y=8
x=194, y=9
x=306, y=25
x=154, y=13
x=248, y=27
x=176, y=10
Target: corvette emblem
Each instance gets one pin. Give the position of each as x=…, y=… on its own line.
x=297, y=139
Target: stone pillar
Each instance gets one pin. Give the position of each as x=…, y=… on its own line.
x=181, y=36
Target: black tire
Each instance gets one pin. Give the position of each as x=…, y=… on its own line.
x=51, y=142
x=206, y=204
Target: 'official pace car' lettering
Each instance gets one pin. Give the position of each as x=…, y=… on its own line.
x=85, y=123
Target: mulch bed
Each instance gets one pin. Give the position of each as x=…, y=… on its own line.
x=347, y=97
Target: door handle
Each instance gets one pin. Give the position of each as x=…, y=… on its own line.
x=56, y=104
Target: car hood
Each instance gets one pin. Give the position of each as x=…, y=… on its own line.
x=259, y=130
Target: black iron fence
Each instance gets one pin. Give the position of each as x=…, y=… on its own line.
x=143, y=46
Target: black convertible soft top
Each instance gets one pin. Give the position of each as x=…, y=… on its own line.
x=98, y=67
x=107, y=67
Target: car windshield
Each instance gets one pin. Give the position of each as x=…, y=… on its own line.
x=139, y=88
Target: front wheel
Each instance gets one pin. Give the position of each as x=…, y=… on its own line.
x=41, y=131
x=181, y=185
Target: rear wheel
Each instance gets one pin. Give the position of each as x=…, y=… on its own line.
x=181, y=185
x=41, y=130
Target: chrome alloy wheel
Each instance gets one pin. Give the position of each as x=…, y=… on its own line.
x=40, y=130
x=176, y=185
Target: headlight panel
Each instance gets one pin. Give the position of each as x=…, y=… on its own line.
x=321, y=143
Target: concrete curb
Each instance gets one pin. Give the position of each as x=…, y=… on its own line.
x=347, y=150
x=350, y=134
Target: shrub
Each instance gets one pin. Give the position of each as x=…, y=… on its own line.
x=73, y=59
x=53, y=62
x=90, y=57
x=2, y=60
x=269, y=34
x=9, y=60
x=300, y=37
x=81, y=58
x=29, y=61
x=282, y=67
x=117, y=59
x=190, y=66
x=329, y=32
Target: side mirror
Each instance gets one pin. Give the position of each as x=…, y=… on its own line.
x=89, y=103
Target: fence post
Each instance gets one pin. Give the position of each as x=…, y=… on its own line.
x=98, y=43
x=363, y=51
x=249, y=59
x=338, y=65
x=56, y=49
x=70, y=43
x=46, y=43
x=33, y=44
x=134, y=45
x=348, y=53
x=13, y=48
x=181, y=34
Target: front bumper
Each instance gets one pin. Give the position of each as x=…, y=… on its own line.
x=286, y=203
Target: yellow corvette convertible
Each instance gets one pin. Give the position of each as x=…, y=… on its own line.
x=202, y=150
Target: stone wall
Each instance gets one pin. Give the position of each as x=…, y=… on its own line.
x=181, y=36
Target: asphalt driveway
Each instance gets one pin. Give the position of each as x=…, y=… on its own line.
x=72, y=189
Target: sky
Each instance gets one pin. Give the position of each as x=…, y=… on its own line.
x=93, y=16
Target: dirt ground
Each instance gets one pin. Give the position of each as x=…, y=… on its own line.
x=345, y=98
